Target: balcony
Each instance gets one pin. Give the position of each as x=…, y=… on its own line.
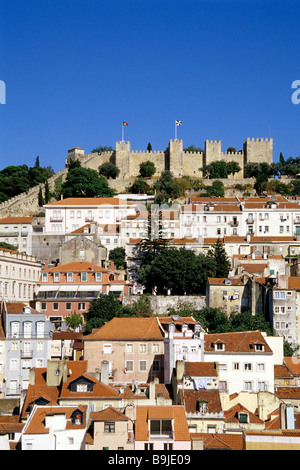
x=56, y=219
x=26, y=354
x=233, y=223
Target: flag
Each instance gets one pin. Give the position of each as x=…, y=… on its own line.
x=178, y=123
x=125, y=124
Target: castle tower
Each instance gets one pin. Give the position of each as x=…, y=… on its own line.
x=212, y=151
x=258, y=150
x=175, y=157
x=123, y=158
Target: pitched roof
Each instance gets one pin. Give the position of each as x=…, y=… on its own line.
x=293, y=363
x=232, y=415
x=200, y=369
x=76, y=266
x=211, y=396
x=16, y=220
x=100, y=390
x=108, y=414
x=219, y=441
x=37, y=423
x=238, y=342
x=173, y=412
x=121, y=329
x=291, y=393
x=220, y=281
x=282, y=371
x=90, y=201
x=16, y=308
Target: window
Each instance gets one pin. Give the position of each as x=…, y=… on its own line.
x=155, y=366
x=83, y=277
x=69, y=277
x=40, y=329
x=44, y=277
x=155, y=348
x=260, y=367
x=143, y=366
x=243, y=418
x=98, y=277
x=129, y=348
x=129, y=366
x=161, y=427
x=143, y=348
x=13, y=364
x=81, y=306
x=248, y=366
x=107, y=349
x=236, y=366
x=248, y=386
x=44, y=305
x=219, y=346
x=56, y=277
x=109, y=426
x=68, y=306
x=55, y=305
x=81, y=388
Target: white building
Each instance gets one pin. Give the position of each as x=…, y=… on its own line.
x=246, y=361
x=17, y=231
x=19, y=274
x=68, y=215
x=55, y=428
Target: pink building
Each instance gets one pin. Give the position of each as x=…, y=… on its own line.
x=68, y=288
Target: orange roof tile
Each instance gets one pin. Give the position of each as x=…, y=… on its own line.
x=174, y=412
x=239, y=342
x=75, y=266
x=220, y=441
x=90, y=201
x=16, y=220
x=121, y=329
x=201, y=369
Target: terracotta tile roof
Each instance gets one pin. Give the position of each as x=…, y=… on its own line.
x=239, y=342
x=16, y=308
x=200, y=369
x=37, y=424
x=108, y=414
x=232, y=415
x=212, y=397
x=76, y=266
x=220, y=441
x=287, y=393
x=37, y=392
x=293, y=363
x=90, y=201
x=294, y=283
x=174, y=412
x=123, y=329
x=16, y=220
x=220, y=281
x=282, y=372
x=99, y=389
x=254, y=267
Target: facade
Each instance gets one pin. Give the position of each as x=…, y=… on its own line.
x=55, y=428
x=68, y=215
x=112, y=430
x=28, y=341
x=229, y=294
x=17, y=231
x=246, y=361
x=19, y=275
x=162, y=428
x=133, y=348
x=68, y=288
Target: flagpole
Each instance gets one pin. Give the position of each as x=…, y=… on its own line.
x=175, y=131
x=122, y=132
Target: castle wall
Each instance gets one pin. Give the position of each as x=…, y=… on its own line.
x=258, y=150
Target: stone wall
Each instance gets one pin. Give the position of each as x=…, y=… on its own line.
x=161, y=303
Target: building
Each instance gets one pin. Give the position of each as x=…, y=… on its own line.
x=245, y=361
x=229, y=294
x=17, y=231
x=133, y=348
x=67, y=215
x=161, y=428
x=111, y=430
x=28, y=345
x=19, y=275
x=68, y=288
x=55, y=428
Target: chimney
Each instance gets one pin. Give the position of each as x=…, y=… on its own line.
x=112, y=265
x=104, y=372
x=46, y=264
x=151, y=391
x=93, y=265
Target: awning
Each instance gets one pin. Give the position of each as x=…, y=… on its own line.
x=116, y=288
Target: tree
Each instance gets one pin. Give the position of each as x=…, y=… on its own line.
x=47, y=192
x=40, y=198
x=37, y=162
x=231, y=150
x=219, y=255
x=213, y=320
x=102, y=149
x=217, y=169
x=139, y=186
x=142, y=307
x=109, y=170
x=149, y=147
x=193, y=148
x=147, y=169
x=167, y=188
x=117, y=255
x=215, y=189
x=233, y=167
x=84, y=182
x=245, y=321
x=179, y=270
x=101, y=310
x=73, y=321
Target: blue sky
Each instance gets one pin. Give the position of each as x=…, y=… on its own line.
x=75, y=69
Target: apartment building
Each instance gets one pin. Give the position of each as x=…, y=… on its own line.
x=133, y=348
x=19, y=275
x=246, y=361
x=17, y=231
x=28, y=344
x=68, y=215
x=68, y=288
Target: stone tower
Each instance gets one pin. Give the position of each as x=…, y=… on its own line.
x=175, y=157
x=213, y=151
x=123, y=158
x=258, y=150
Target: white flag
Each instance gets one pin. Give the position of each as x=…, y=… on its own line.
x=178, y=123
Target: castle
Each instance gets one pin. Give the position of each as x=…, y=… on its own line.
x=175, y=158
